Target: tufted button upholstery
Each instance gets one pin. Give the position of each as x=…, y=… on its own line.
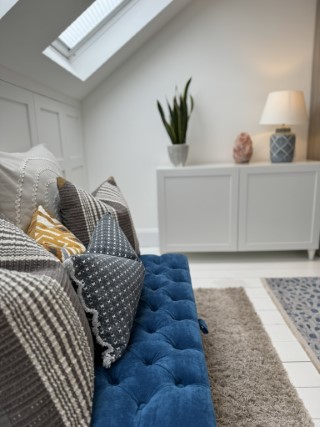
x=161, y=380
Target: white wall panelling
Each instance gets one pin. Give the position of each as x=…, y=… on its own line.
x=75, y=148
x=17, y=119
x=27, y=119
x=239, y=208
x=49, y=119
x=59, y=127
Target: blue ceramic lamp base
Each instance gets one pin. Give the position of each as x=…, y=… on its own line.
x=282, y=144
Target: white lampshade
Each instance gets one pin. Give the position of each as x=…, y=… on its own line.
x=285, y=107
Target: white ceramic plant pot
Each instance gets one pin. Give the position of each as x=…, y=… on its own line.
x=178, y=154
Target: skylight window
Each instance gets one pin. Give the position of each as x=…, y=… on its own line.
x=101, y=31
x=5, y=6
x=90, y=21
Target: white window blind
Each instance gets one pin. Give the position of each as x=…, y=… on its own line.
x=89, y=21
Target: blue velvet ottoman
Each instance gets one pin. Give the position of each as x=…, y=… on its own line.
x=162, y=378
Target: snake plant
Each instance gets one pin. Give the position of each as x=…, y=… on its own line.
x=179, y=114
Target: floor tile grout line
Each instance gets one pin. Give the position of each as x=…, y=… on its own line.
x=309, y=387
x=299, y=361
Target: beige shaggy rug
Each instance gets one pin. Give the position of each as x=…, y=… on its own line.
x=250, y=387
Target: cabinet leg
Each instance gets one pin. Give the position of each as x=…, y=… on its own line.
x=311, y=254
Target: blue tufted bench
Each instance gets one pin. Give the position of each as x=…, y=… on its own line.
x=162, y=378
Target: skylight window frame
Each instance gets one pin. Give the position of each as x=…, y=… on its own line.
x=105, y=43
x=6, y=6
x=61, y=48
x=68, y=53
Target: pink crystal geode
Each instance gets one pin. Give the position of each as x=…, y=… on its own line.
x=242, y=150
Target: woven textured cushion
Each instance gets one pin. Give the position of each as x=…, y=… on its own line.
x=162, y=379
x=53, y=236
x=46, y=350
x=109, y=278
x=27, y=181
x=81, y=211
x=109, y=193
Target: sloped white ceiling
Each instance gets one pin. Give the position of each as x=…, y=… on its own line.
x=31, y=25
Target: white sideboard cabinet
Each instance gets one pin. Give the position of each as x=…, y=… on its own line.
x=254, y=207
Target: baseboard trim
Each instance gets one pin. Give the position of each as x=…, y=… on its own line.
x=148, y=237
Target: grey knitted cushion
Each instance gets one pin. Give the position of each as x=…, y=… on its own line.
x=81, y=210
x=46, y=351
x=109, y=278
x=27, y=181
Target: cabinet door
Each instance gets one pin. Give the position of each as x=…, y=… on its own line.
x=279, y=207
x=197, y=209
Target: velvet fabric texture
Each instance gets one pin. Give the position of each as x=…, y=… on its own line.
x=162, y=379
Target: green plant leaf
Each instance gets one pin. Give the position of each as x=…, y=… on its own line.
x=186, y=89
x=166, y=124
x=179, y=114
x=173, y=119
x=191, y=105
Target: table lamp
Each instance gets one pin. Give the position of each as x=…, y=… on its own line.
x=283, y=108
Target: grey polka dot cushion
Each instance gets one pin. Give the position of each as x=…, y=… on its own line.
x=109, y=239
x=109, y=277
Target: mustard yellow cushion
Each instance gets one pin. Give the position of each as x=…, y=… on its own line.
x=53, y=236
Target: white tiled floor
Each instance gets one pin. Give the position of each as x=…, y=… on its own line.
x=246, y=270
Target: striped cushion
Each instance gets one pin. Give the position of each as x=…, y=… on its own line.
x=81, y=211
x=46, y=350
x=109, y=193
x=53, y=236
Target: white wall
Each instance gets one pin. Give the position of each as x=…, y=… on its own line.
x=236, y=51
